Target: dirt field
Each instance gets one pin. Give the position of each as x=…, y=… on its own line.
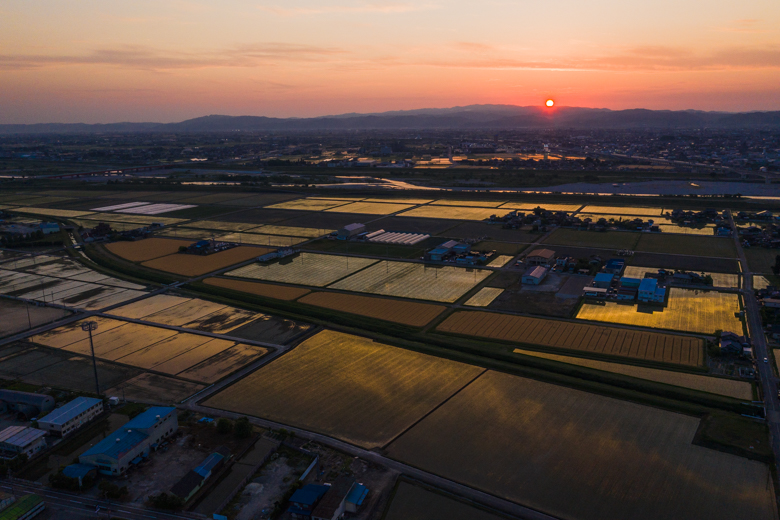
x=148, y=306
x=150, y=356
x=761, y=260
x=156, y=389
x=76, y=373
x=573, y=454
x=714, y=385
x=220, y=225
x=606, y=239
x=412, y=502
x=432, y=226
x=146, y=249
x=346, y=386
x=15, y=316
x=652, y=346
x=305, y=269
x=688, y=310
x=687, y=245
x=484, y=297
x=266, y=290
x=261, y=240
x=183, y=361
x=309, y=204
x=414, y=280
x=269, y=229
x=407, y=313
x=196, y=265
x=491, y=231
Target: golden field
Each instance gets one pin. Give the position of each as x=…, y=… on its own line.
x=718, y=279
x=688, y=310
x=313, y=269
x=714, y=385
x=452, y=212
x=347, y=387
x=196, y=265
x=573, y=454
x=484, y=297
x=652, y=346
x=413, y=314
x=371, y=208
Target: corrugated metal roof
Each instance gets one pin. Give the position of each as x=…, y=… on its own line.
x=20, y=436
x=148, y=418
x=207, y=465
x=648, y=284
x=117, y=444
x=70, y=410
x=77, y=470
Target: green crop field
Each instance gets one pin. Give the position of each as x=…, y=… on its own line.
x=721, y=247
x=761, y=260
x=412, y=280
x=347, y=387
x=572, y=454
x=606, y=239
x=412, y=502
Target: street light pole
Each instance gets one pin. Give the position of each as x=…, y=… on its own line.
x=89, y=326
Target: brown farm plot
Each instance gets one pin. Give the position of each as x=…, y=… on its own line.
x=155, y=388
x=407, y=313
x=146, y=249
x=224, y=363
x=195, y=265
x=650, y=346
x=572, y=454
x=349, y=387
x=266, y=290
x=687, y=245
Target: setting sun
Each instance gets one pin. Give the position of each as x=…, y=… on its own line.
x=549, y=102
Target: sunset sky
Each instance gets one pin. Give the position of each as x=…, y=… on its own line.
x=139, y=60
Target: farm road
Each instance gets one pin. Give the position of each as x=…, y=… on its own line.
x=769, y=382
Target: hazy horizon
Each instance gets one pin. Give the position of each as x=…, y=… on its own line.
x=92, y=62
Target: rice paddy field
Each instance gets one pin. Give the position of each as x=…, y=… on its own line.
x=146, y=249
x=714, y=385
x=411, y=502
x=413, y=280
x=309, y=204
x=400, y=201
x=572, y=454
x=484, y=297
x=708, y=230
x=608, y=239
x=529, y=206
x=761, y=260
x=51, y=212
x=721, y=247
x=182, y=232
x=266, y=290
x=413, y=314
x=304, y=269
x=371, y=208
x=500, y=261
x=688, y=310
x=611, y=341
x=155, y=388
x=451, y=212
x=469, y=203
x=18, y=316
x=637, y=211
x=760, y=282
x=222, y=226
x=140, y=220
x=348, y=387
x=718, y=279
x=195, y=357
x=305, y=232
x=261, y=240
x=196, y=265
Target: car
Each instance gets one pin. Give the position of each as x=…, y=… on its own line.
x=766, y=360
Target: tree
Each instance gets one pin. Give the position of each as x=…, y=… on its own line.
x=224, y=426
x=111, y=490
x=776, y=268
x=242, y=428
x=166, y=501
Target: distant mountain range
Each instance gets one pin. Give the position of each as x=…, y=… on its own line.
x=499, y=117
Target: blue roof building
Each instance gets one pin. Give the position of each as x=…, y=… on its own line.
x=302, y=502
x=212, y=462
x=114, y=454
x=356, y=497
x=79, y=471
x=603, y=280
x=71, y=416
x=615, y=266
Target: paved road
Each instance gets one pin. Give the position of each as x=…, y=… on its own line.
x=767, y=377
x=78, y=505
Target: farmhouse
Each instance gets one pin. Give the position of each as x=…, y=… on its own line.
x=303, y=501
x=16, y=440
x=534, y=276
x=540, y=257
x=615, y=266
x=344, y=495
x=649, y=291
x=114, y=454
x=731, y=343
x=71, y=416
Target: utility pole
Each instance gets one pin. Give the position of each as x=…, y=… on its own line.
x=89, y=326
x=27, y=306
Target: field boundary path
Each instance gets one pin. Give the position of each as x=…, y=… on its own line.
x=767, y=379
